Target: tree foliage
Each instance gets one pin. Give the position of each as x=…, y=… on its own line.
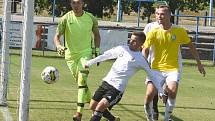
x=102, y=8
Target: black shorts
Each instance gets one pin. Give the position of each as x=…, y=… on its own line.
x=109, y=92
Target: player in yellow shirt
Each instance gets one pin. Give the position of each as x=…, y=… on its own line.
x=165, y=41
x=78, y=26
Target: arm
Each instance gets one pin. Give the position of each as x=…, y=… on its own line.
x=100, y=58
x=109, y=54
x=196, y=56
x=97, y=37
x=60, y=49
x=57, y=39
x=153, y=77
x=145, y=52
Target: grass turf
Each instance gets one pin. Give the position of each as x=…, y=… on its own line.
x=57, y=102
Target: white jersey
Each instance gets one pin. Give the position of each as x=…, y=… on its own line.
x=127, y=63
x=148, y=28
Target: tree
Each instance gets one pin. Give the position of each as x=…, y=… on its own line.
x=192, y=5
x=102, y=8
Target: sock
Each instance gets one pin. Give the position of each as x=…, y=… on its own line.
x=169, y=108
x=148, y=109
x=80, y=107
x=108, y=115
x=97, y=115
x=155, y=103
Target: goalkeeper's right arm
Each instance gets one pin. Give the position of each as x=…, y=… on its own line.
x=60, y=49
x=57, y=39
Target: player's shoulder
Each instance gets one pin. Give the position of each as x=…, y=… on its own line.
x=152, y=24
x=178, y=27
x=122, y=46
x=67, y=15
x=89, y=14
x=154, y=30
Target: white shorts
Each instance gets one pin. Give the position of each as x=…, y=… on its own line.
x=168, y=75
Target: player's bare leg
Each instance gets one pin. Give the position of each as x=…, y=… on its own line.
x=172, y=88
x=151, y=90
x=99, y=109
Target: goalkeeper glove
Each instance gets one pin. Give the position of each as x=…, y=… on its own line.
x=97, y=52
x=61, y=50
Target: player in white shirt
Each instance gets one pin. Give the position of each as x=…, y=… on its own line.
x=129, y=60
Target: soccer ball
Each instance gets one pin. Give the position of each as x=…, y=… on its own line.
x=50, y=75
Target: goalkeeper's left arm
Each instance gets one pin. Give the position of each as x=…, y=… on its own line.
x=97, y=40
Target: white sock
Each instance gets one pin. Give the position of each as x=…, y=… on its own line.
x=148, y=110
x=169, y=108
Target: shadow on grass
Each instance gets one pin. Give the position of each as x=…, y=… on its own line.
x=174, y=118
x=50, y=101
x=133, y=112
x=194, y=108
x=120, y=104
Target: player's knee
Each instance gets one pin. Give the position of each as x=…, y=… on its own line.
x=172, y=93
x=148, y=98
x=102, y=105
x=82, y=78
x=92, y=107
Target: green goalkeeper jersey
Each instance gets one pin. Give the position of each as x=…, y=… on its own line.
x=77, y=33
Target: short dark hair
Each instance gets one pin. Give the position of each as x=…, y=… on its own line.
x=141, y=36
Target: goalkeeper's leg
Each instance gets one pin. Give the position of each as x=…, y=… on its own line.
x=83, y=92
x=80, y=77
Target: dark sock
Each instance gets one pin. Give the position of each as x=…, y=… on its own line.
x=155, y=103
x=108, y=115
x=97, y=115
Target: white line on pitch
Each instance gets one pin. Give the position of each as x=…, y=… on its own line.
x=6, y=114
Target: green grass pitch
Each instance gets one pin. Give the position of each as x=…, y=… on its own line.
x=57, y=102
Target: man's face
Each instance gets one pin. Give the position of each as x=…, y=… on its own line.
x=77, y=5
x=162, y=15
x=134, y=44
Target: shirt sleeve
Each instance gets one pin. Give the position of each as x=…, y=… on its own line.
x=109, y=54
x=146, y=28
x=95, y=21
x=62, y=25
x=185, y=39
x=149, y=39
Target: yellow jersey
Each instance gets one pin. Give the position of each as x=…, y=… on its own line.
x=166, y=45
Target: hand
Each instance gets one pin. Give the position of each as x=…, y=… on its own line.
x=164, y=98
x=61, y=50
x=86, y=66
x=97, y=53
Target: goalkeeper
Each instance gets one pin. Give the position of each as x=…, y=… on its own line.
x=77, y=27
